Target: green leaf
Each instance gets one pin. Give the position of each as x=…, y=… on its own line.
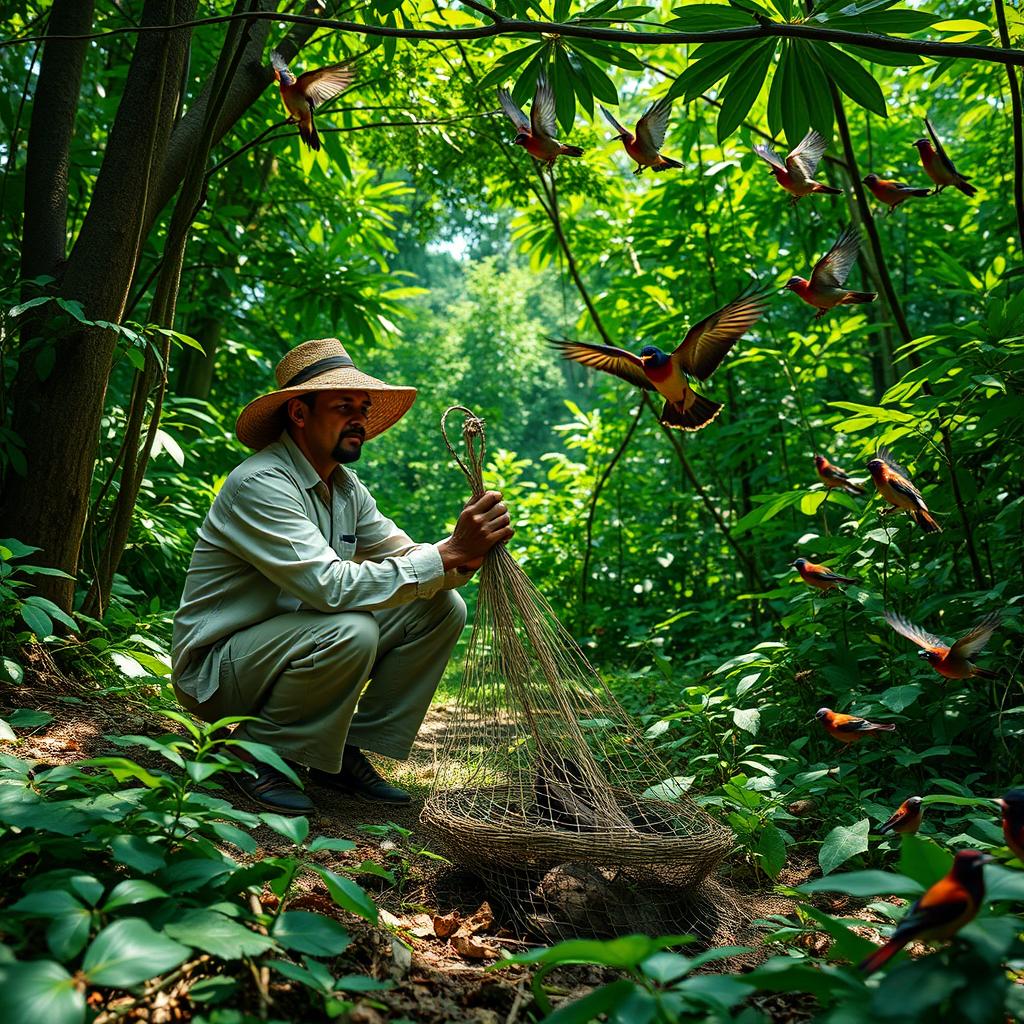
x=348, y=895
x=922, y=860
x=37, y=620
x=600, y=1000
x=54, y=611
x=128, y=952
x=713, y=65
x=708, y=17
x=132, y=890
x=866, y=883
x=218, y=935
x=847, y=945
x=267, y=755
x=771, y=848
x=295, y=829
x=743, y=87
x=561, y=83
x=842, y=843
x=330, y=843
x=814, y=87
x=40, y=992
x=29, y=718
x=855, y=80
x=792, y=108
x=898, y=22
x=776, y=90
x=11, y=671
x=747, y=719
x=597, y=81
x=310, y=933
x=67, y=935
x=6, y=732
x=137, y=853
x=899, y=698
x=1003, y=884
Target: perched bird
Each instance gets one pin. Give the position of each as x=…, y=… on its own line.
x=893, y=484
x=832, y=476
x=941, y=912
x=699, y=355
x=939, y=167
x=818, y=576
x=849, y=728
x=952, y=662
x=825, y=288
x=796, y=175
x=650, y=134
x=892, y=193
x=562, y=794
x=537, y=135
x=302, y=95
x=905, y=819
x=1012, y=804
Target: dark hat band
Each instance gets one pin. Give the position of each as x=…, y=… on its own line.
x=320, y=366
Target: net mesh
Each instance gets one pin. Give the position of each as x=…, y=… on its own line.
x=548, y=790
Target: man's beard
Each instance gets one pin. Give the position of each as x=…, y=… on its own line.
x=341, y=454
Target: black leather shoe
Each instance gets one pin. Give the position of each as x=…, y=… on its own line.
x=360, y=779
x=272, y=789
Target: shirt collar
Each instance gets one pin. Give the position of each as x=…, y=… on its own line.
x=309, y=478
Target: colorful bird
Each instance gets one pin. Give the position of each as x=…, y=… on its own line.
x=796, y=175
x=818, y=576
x=302, y=95
x=849, y=728
x=1012, y=804
x=952, y=662
x=905, y=819
x=832, y=476
x=939, y=167
x=942, y=911
x=892, y=193
x=893, y=483
x=650, y=134
x=537, y=135
x=702, y=350
x=825, y=288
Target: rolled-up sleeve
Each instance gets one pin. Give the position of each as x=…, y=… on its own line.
x=269, y=528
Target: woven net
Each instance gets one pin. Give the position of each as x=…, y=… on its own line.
x=548, y=791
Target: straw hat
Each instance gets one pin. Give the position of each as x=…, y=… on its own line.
x=320, y=365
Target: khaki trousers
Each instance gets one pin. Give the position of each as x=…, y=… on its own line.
x=303, y=675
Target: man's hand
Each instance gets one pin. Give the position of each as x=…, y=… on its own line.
x=482, y=524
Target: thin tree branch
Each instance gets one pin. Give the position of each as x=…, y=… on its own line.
x=764, y=29
x=1017, y=117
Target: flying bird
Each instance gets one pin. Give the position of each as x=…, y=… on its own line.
x=832, y=476
x=818, y=576
x=849, y=728
x=906, y=819
x=893, y=483
x=939, y=167
x=953, y=662
x=644, y=146
x=302, y=95
x=826, y=286
x=537, y=134
x=796, y=174
x=1012, y=804
x=702, y=350
x=941, y=912
x=892, y=193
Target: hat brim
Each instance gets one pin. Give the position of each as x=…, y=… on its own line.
x=259, y=423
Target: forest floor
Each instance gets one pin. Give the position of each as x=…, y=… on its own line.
x=440, y=927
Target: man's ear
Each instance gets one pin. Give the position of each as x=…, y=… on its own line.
x=296, y=409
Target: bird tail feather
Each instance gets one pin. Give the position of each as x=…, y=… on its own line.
x=967, y=189
x=665, y=164
x=925, y=521
x=880, y=957
x=309, y=135
x=699, y=415
x=985, y=673
x=571, y=151
x=853, y=298
x=828, y=190
x=919, y=191
x=884, y=727
x=851, y=488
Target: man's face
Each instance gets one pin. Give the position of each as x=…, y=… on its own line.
x=336, y=425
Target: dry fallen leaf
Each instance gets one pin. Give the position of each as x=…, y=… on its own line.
x=445, y=924
x=471, y=948
x=479, y=920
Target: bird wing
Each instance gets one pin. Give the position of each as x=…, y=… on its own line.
x=615, y=124
x=280, y=65
x=926, y=641
x=835, y=473
x=947, y=163
x=653, y=124
x=886, y=456
x=897, y=816
x=832, y=270
x=616, y=361
x=324, y=84
x=769, y=154
x=975, y=639
x=805, y=158
x=707, y=342
x=851, y=723
x=941, y=906
x=512, y=112
x=542, y=113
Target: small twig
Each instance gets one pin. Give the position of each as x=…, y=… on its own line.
x=169, y=979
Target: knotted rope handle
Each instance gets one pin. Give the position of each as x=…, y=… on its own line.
x=475, y=440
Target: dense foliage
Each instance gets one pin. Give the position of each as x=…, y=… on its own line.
x=444, y=257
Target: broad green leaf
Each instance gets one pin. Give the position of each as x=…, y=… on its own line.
x=899, y=698
x=40, y=992
x=743, y=87
x=707, y=18
x=771, y=848
x=331, y=843
x=923, y=860
x=37, y=620
x=842, y=843
x=852, y=77
x=29, y=718
x=714, y=64
x=348, y=895
x=866, y=883
x=132, y=890
x=128, y=952
x=561, y=83
x=310, y=933
x=814, y=87
x=747, y=719
x=218, y=935
x=11, y=671
x=591, y=1006
x=295, y=829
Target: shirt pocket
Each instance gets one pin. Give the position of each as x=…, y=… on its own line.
x=345, y=545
